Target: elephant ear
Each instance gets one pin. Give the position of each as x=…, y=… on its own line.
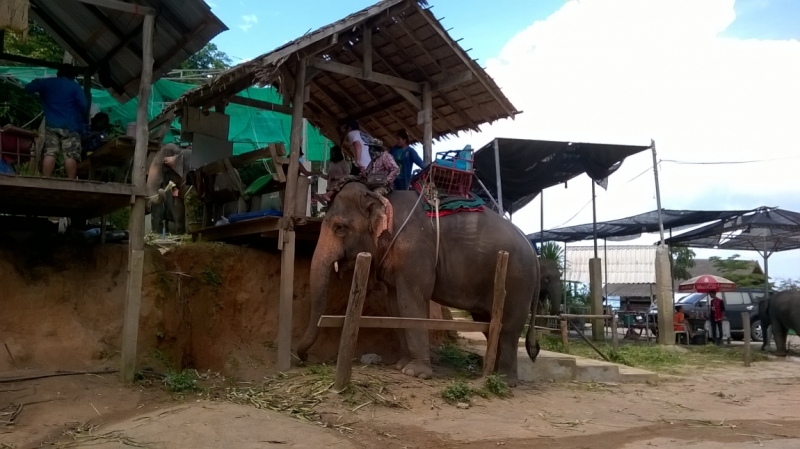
x=380, y=215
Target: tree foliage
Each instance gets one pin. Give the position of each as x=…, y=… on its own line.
x=682, y=261
x=738, y=271
x=788, y=284
x=552, y=251
x=208, y=58
x=39, y=44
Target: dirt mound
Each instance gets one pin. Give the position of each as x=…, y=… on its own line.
x=206, y=306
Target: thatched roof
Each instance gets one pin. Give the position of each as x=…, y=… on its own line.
x=408, y=43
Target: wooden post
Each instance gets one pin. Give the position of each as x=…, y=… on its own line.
x=347, y=343
x=565, y=336
x=102, y=229
x=367, y=50
x=284, y=361
x=87, y=92
x=747, y=348
x=496, y=324
x=614, y=336
x=427, y=117
x=130, y=324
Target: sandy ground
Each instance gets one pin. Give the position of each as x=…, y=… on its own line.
x=731, y=407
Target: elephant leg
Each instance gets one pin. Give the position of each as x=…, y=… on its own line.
x=394, y=309
x=779, y=332
x=766, y=336
x=157, y=218
x=412, y=304
x=179, y=214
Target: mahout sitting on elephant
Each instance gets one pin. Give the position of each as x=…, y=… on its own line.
x=402, y=239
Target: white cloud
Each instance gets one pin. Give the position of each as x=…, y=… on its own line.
x=626, y=71
x=248, y=22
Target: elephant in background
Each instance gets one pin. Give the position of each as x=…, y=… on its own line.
x=170, y=163
x=360, y=220
x=550, y=288
x=779, y=313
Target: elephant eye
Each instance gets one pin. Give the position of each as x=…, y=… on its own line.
x=340, y=229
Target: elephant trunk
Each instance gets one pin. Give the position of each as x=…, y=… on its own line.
x=326, y=254
x=155, y=175
x=554, y=295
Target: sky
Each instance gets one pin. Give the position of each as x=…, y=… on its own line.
x=714, y=81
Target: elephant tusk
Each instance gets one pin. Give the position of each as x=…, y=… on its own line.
x=336, y=266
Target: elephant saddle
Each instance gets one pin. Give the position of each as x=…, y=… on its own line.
x=448, y=205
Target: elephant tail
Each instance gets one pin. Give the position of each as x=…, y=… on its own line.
x=531, y=343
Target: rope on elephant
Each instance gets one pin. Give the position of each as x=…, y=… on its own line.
x=399, y=230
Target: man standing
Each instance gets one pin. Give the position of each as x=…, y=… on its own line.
x=64, y=104
x=359, y=150
x=404, y=157
x=717, y=315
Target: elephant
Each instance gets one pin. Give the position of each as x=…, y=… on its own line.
x=778, y=314
x=397, y=227
x=158, y=175
x=550, y=288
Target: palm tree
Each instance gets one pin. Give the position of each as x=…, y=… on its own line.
x=554, y=252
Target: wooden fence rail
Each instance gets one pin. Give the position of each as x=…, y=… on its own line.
x=352, y=320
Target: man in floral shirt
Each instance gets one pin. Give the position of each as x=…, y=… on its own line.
x=383, y=164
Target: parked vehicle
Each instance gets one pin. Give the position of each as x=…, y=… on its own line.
x=742, y=300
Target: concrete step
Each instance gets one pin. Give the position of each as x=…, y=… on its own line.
x=560, y=367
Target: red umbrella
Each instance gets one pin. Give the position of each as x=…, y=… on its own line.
x=707, y=283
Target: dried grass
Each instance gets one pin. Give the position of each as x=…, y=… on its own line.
x=299, y=394
x=83, y=435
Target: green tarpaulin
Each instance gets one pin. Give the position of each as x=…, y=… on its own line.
x=250, y=128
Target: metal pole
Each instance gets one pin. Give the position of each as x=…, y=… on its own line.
x=564, y=275
x=766, y=272
x=671, y=274
x=497, y=174
x=658, y=191
x=605, y=263
x=594, y=220
x=541, y=213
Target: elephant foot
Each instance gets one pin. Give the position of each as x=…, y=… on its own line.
x=418, y=369
x=402, y=363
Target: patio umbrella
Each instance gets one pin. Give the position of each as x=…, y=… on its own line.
x=707, y=283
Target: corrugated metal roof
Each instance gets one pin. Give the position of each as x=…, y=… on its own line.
x=627, y=264
x=97, y=37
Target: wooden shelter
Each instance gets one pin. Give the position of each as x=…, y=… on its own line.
x=390, y=66
x=102, y=35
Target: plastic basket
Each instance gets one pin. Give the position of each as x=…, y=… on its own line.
x=451, y=172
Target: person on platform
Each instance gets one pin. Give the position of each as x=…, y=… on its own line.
x=359, y=148
x=95, y=135
x=337, y=169
x=382, y=167
x=405, y=157
x=717, y=315
x=64, y=105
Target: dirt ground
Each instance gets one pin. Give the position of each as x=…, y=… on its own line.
x=734, y=407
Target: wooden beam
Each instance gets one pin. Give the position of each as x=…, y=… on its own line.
x=383, y=322
x=409, y=97
x=355, y=72
x=375, y=109
x=497, y=313
x=259, y=104
x=388, y=36
x=71, y=185
x=428, y=16
x=130, y=329
x=284, y=360
x=122, y=6
x=452, y=81
x=349, y=338
x=35, y=62
x=256, y=226
x=367, y=51
x=427, y=121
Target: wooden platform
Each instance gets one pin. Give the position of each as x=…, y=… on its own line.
x=59, y=197
x=114, y=152
x=257, y=228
